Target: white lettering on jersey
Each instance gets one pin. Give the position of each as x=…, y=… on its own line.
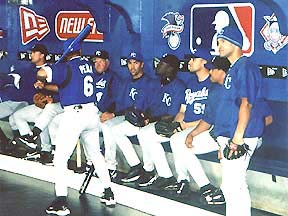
x=190, y=96
x=133, y=93
x=99, y=96
x=86, y=68
x=227, y=81
x=101, y=84
x=167, y=99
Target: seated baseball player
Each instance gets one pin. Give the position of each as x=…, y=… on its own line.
x=167, y=100
x=185, y=159
x=137, y=94
x=10, y=102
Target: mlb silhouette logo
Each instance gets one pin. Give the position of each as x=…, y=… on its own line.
x=207, y=20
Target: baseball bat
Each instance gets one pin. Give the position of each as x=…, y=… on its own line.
x=87, y=180
x=80, y=37
x=78, y=154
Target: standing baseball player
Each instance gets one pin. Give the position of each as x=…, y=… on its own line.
x=238, y=130
x=136, y=96
x=75, y=81
x=196, y=97
x=167, y=106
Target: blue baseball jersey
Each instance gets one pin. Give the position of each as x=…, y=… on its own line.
x=103, y=92
x=78, y=86
x=167, y=99
x=9, y=93
x=196, y=97
x=242, y=81
x=214, y=99
x=137, y=93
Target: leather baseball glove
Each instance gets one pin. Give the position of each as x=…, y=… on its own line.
x=40, y=100
x=233, y=151
x=167, y=128
x=135, y=117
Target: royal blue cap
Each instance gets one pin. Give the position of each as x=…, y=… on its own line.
x=136, y=56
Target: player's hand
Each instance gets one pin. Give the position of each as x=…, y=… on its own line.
x=39, y=84
x=189, y=140
x=106, y=116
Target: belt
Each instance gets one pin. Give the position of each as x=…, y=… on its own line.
x=78, y=107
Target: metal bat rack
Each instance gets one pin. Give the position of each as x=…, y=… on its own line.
x=87, y=179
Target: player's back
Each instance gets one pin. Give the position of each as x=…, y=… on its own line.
x=80, y=88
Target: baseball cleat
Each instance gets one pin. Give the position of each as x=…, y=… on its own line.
x=210, y=195
x=58, y=207
x=183, y=189
x=108, y=198
x=133, y=174
x=28, y=142
x=146, y=179
x=162, y=183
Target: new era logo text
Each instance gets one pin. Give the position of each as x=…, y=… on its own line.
x=32, y=25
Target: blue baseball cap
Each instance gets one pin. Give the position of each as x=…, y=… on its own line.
x=201, y=53
x=75, y=47
x=136, y=56
x=231, y=34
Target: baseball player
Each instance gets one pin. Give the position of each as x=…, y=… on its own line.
x=76, y=89
x=167, y=105
x=39, y=115
x=9, y=103
x=238, y=130
x=196, y=97
x=137, y=94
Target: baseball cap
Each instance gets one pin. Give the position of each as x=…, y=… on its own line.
x=75, y=47
x=136, y=56
x=40, y=48
x=201, y=53
x=221, y=63
x=172, y=60
x=101, y=54
x=231, y=34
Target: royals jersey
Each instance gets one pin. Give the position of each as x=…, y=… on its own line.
x=78, y=85
x=167, y=99
x=242, y=81
x=196, y=97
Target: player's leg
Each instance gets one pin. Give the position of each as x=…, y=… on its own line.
x=66, y=138
x=237, y=194
x=90, y=140
x=149, y=139
x=109, y=141
x=120, y=133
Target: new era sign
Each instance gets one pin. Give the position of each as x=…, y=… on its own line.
x=33, y=26
x=69, y=24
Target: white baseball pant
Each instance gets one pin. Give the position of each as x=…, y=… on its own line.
x=234, y=185
x=185, y=159
x=153, y=152
x=121, y=132
x=75, y=123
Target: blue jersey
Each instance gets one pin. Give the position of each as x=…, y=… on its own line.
x=167, y=99
x=196, y=97
x=76, y=81
x=137, y=93
x=242, y=81
x=103, y=92
x=9, y=93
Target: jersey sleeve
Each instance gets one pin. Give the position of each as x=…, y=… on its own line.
x=250, y=82
x=59, y=73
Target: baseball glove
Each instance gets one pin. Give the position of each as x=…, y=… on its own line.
x=233, y=151
x=167, y=128
x=135, y=117
x=40, y=100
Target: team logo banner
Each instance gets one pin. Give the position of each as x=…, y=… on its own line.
x=274, y=40
x=207, y=20
x=69, y=24
x=172, y=29
x=33, y=26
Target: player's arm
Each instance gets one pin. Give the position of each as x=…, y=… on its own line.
x=181, y=114
x=243, y=119
x=201, y=127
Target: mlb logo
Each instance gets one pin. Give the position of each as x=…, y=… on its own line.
x=207, y=20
